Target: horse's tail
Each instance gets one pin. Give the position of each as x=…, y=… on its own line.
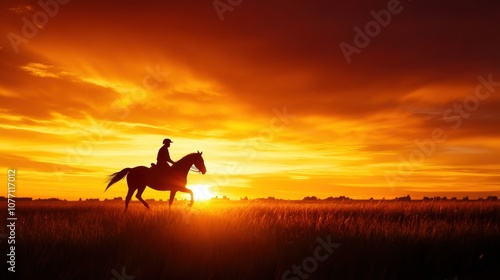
x=115, y=177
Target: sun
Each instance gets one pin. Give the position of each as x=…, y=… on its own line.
x=201, y=192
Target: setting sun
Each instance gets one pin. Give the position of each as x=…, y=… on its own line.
x=201, y=192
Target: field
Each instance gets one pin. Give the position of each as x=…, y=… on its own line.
x=258, y=240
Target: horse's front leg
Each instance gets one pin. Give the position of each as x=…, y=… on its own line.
x=190, y=193
x=172, y=196
x=192, y=198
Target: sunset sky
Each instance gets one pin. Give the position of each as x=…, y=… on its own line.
x=263, y=88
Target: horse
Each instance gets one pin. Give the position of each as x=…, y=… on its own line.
x=174, y=180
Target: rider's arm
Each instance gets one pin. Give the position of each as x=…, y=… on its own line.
x=168, y=158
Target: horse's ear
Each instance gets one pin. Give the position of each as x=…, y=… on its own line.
x=201, y=153
x=198, y=152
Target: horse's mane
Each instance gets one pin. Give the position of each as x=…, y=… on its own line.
x=186, y=156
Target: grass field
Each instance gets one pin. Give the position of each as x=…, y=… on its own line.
x=258, y=240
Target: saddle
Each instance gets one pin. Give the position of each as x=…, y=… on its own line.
x=160, y=171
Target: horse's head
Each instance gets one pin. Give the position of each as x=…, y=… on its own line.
x=199, y=163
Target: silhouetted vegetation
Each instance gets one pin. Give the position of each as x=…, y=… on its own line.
x=403, y=198
x=340, y=198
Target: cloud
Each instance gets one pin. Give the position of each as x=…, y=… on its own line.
x=143, y=70
x=27, y=164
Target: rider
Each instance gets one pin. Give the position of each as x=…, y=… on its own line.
x=163, y=155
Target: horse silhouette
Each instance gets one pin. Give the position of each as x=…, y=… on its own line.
x=173, y=180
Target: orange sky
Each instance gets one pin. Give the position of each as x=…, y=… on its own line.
x=266, y=94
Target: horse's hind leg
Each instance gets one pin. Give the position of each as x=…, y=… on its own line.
x=129, y=197
x=139, y=195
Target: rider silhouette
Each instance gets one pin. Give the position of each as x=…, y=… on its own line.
x=163, y=157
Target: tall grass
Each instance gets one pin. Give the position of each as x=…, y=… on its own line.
x=258, y=240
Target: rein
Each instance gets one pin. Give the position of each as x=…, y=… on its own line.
x=194, y=169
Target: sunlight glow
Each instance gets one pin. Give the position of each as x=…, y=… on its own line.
x=201, y=192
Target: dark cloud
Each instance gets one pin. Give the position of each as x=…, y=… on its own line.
x=270, y=52
x=227, y=76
